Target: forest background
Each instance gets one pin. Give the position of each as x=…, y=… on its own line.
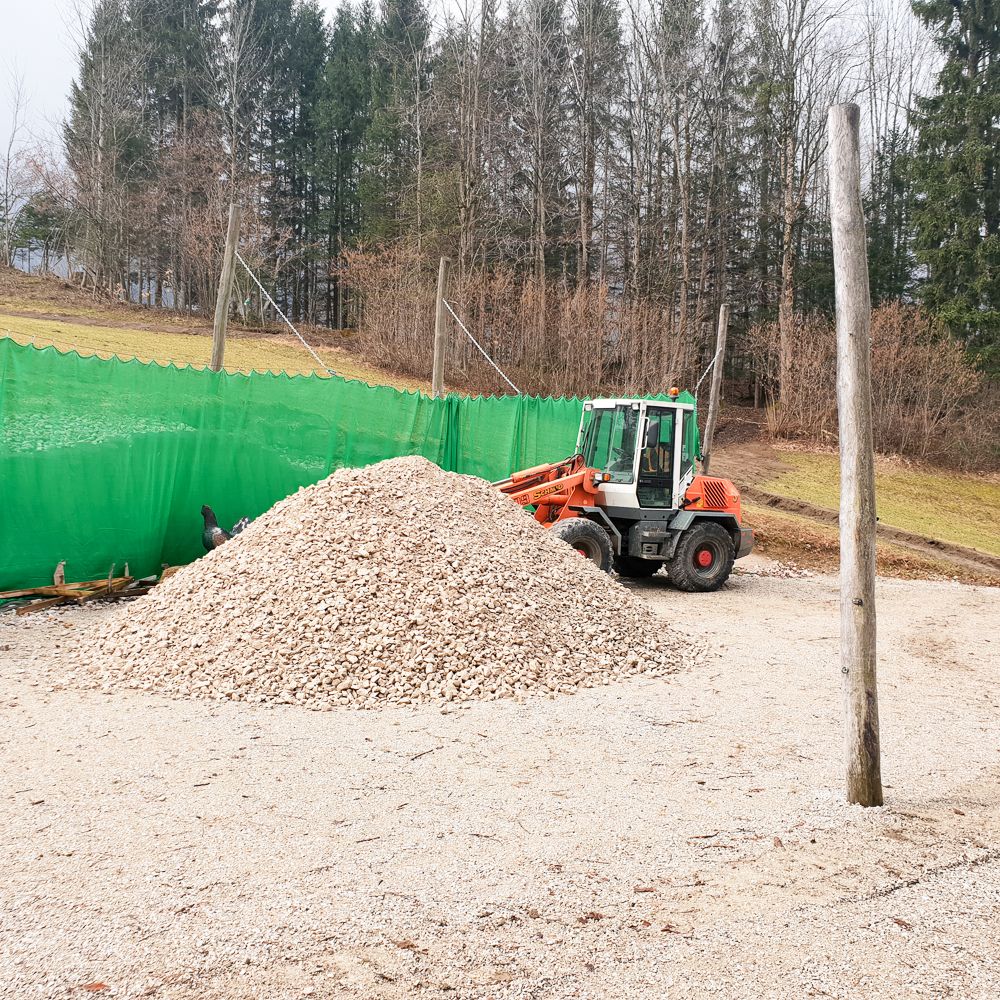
x=604, y=173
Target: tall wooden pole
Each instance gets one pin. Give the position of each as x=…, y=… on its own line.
x=716, y=391
x=440, y=328
x=225, y=288
x=857, y=460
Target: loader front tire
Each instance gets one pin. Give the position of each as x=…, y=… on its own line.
x=703, y=558
x=589, y=539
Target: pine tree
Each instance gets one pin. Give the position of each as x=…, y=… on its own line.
x=107, y=139
x=305, y=65
x=888, y=209
x=178, y=34
x=394, y=144
x=595, y=83
x=957, y=212
x=341, y=118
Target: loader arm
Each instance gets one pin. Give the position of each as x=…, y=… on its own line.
x=554, y=490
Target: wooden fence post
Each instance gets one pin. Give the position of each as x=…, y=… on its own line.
x=440, y=328
x=857, y=460
x=226, y=279
x=716, y=390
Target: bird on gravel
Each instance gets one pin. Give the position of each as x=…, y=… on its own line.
x=213, y=536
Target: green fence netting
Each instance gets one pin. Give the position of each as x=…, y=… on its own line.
x=107, y=462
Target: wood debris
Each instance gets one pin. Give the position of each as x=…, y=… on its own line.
x=52, y=595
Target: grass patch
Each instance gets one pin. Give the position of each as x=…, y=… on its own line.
x=243, y=353
x=954, y=507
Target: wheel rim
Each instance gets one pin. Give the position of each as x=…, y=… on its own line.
x=706, y=557
x=589, y=550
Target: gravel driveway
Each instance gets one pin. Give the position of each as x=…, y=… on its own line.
x=684, y=837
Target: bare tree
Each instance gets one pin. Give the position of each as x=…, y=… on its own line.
x=467, y=87
x=641, y=161
x=16, y=179
x=677, y=58
x=810, y=68
x=233, y=64
x=594, y=76
x=900, y=60
x=542, y=59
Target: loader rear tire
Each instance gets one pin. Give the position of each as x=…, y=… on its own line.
x=589, y=539
x=703, y=559
x=635, y=568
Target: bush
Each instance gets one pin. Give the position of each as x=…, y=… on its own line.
x=928, y=400
x=549, y=339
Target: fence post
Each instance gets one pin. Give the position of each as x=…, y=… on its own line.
x=857, y=460
x=437, y=373
x=716, y=390
x=225, y=288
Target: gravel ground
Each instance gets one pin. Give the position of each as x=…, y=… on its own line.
x=678, y=837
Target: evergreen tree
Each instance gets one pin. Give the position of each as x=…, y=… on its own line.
x=670, y=150
x=178, y=34
x=888, y=211
x=341, y=118
x=107, y=139
x=595, y=71
x=395, y=140
x=305, y=66
x=957, y=211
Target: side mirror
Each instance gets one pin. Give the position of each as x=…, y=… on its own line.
x=652, y=433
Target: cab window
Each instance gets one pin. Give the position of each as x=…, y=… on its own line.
x=609, y=441
x=658, y=453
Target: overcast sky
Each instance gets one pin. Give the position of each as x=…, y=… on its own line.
x=37, y=44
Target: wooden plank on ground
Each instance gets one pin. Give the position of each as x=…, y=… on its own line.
x=30, y=609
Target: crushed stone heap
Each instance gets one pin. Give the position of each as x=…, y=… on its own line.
x=397, y=583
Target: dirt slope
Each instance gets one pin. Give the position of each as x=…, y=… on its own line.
x=798, y=529
x=960, y=555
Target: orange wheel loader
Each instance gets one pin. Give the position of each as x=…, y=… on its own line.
x=631, y=500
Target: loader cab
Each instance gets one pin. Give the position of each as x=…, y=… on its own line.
x=640, y=450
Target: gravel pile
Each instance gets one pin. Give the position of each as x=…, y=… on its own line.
x=397, y=583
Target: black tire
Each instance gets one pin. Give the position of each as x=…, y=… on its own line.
x=635, y=568
x=589, y=539
x=703, y=559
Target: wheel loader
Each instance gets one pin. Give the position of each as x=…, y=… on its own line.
x=630, y=498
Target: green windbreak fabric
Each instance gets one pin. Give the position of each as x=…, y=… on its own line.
x=107, y=462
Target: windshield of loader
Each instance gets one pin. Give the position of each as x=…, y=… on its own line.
x=609, y=441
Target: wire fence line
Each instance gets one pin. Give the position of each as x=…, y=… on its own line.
x=711, y=365
x=290, y=324
x=465, y=330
